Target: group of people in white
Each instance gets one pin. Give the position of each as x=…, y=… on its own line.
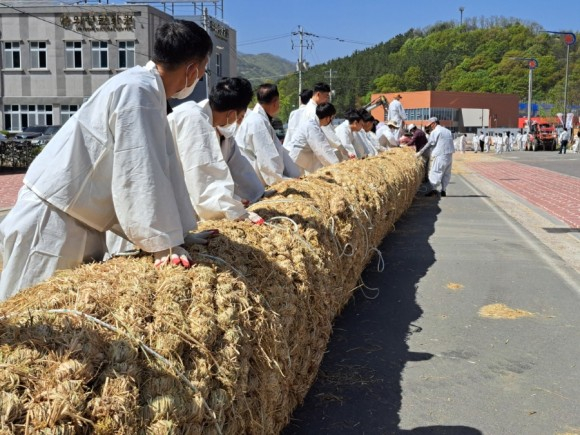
x=508, y=141
x=129, y=171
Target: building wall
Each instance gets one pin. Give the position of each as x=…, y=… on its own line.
x=501, y=110
x=56, y=85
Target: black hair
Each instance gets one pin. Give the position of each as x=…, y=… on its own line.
x=365, y=116
x=325, y=109
x=321, y=87
x=352, y=115
x=180, y=41
x=267, y=92
x=231, y=93
x=306, y=95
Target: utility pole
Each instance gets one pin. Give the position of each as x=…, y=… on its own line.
x=300, y=62
x=301, y=65
x=461, y=9
x=532, y=64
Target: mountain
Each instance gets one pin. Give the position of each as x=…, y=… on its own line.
x=483, y=55
x=263, y=68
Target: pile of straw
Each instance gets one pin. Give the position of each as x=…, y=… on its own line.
x=230, y=346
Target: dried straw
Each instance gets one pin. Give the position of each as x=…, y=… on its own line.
x=229, y=346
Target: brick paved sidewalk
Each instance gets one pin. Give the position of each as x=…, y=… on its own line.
x=557, y=194
x=10, y=184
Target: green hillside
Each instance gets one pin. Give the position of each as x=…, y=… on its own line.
x=475, y=57
x=263, y=68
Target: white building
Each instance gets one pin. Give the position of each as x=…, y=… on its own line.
x=54, y=57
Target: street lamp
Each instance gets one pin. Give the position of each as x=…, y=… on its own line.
x=569, y=39
x=532, y=65
x=461, y=9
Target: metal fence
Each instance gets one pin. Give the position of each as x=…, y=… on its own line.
x=17, y=154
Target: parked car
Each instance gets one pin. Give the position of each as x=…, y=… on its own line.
x=46, y=136
x=31, y=132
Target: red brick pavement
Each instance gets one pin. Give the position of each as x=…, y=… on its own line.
x=558, y=194
x=10, y=184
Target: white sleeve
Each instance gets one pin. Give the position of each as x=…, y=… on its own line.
x=269, y=162
x=207, y=175
x=247, y=185
x=343, y=139
x=402, y=112
x=142, y=188
x=320, y=147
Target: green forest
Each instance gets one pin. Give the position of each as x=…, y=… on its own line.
x=475, y=57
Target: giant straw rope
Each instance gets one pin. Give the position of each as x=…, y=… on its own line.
x=231, y=345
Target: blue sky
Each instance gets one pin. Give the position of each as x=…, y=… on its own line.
x=266, y=26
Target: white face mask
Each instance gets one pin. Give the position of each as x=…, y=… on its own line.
x=228, y=130
x=187, y=90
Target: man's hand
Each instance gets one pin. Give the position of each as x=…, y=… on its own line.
x=250, y=216
x=200, y=238
x=177, y=256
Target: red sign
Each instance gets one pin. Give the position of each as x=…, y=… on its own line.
x=569, y=38
x=533, y=63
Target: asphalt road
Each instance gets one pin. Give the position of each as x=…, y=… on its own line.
x=420, y=359
x=567, y=164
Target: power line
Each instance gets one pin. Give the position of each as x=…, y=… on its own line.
x=334, y=38
x=264, y=39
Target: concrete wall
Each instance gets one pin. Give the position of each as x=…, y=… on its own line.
x=56, y=85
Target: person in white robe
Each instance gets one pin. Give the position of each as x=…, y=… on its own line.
x=219, y=179
x=258, y=142
x=309, y=148
x=111, y=167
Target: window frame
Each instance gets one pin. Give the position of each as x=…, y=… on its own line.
x=97, y=52
x=127, y=52
x=68, y=112
x=27, y=115
x=36, y=53
x=74, y=51
x=218, y=65
x=12, y=53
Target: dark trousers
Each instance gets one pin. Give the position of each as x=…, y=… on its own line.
x=563, y=146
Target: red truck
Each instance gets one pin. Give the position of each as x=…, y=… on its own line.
x=545, y=137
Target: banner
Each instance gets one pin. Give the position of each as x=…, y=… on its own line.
x=569, y=118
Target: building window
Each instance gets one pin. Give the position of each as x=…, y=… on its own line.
x=18, y=117
x=74, y=55
x=38, y=54
x=66, y=111
x=12, y=55
x=126, y=54
x=100, y=54
x=218, y=64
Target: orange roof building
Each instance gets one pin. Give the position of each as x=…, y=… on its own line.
x=459, y=111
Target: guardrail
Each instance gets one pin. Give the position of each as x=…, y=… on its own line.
x=17, y=154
